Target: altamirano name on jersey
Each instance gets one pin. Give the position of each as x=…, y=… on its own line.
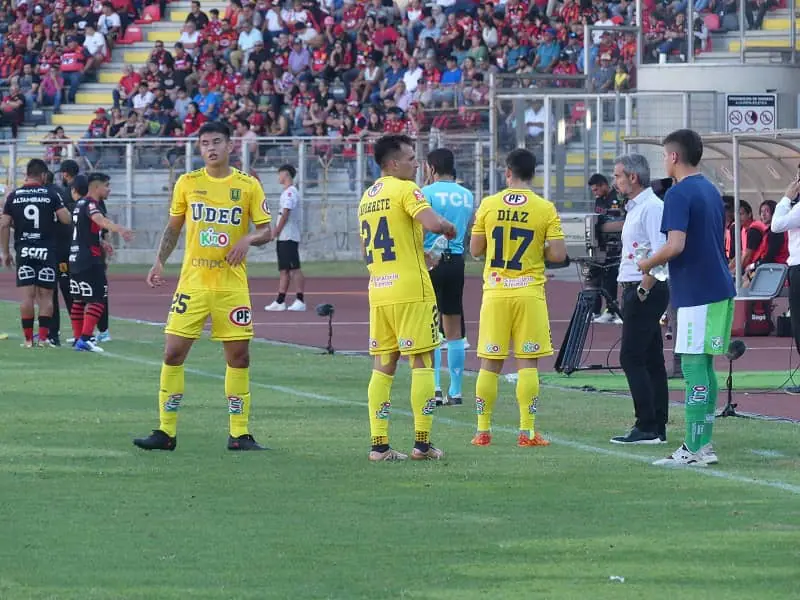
x=33, y=213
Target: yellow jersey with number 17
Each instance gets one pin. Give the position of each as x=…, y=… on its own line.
x=392, y=242
x=516, y=223
x=218, y=214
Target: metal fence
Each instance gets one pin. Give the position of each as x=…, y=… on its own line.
x=576, y=134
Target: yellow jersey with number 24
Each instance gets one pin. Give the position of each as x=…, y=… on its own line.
x=218, y=214
x=516, y=223
x=392, y=242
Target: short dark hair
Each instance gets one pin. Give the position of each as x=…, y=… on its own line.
x=287, y=168
x=36, y=168
x=728, y=202
x=597, y=179
x=746, y=206
x=772, y=205
x=70, y=167
x=97, y=176
x=215, y=127
x=442, y=161
x=689, y=145
x=389, y=145
x=522, y=163
x=81, y=185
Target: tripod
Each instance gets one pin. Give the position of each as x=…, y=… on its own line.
x=736, y=349
x=329, y=347
x=569, y=355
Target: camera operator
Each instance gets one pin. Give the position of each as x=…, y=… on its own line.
x=605, y=203
x=787, y=218
x=644, y=300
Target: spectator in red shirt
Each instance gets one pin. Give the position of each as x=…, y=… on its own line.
x=12, y=110
x=73, y=61
x=10, y=65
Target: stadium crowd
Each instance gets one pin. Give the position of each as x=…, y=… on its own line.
x=323, y=67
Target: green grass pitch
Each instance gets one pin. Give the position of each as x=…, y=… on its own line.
x=85, y=515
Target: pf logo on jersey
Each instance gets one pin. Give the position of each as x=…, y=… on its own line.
x=515, y=199
x=241, y=316
x=375, y=189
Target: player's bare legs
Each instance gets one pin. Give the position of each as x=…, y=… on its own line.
x=237, y=391
x=379, y=405
x=44, y=300
x=527, y=398
x=423, y=405
x=455, y=355
x=527, y=395
x=27, y=314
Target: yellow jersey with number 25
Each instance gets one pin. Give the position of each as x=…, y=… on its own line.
x=392, y=242
x=516, y=223
x=218, y=214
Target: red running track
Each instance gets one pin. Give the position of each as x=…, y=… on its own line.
x=132, y=298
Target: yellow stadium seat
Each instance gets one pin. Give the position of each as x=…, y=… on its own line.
x=168, y=37
x=134, y=57
x=109, y=77
x=73, y=119
x=94, y=98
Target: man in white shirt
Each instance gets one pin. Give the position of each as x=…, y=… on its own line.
x=109, y=23
x=644, y=301
x=95, y=44
x=288, y=234
x=787, y=218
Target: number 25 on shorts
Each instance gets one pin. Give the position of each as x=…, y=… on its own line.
x=382, y=241
x=178, y=305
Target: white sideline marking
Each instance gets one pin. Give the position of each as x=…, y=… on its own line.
x=780, y=485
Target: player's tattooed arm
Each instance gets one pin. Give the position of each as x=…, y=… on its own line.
x=169, y=239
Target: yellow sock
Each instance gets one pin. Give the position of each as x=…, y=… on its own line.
x=237, y=390
x=485, y=397
x=380, y=406
x=423, y=403
x=170, y=396
x=527, y=395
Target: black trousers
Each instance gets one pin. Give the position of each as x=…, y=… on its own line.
x=642, y=356
x=605, y=278
x=55, y=322
x=794, y=303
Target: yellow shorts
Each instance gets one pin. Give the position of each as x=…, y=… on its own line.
x=230, y=311
x=409, y=327
x=522, y=319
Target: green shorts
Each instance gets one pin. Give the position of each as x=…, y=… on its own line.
x=704, y=329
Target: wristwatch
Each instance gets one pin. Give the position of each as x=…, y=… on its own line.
x=643, y=293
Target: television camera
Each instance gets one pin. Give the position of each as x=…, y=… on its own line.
x=603, y=242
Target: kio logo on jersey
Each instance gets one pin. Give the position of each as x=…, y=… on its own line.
x=173, y=403
x=210, y=238
x=492, y=348
x=235, y=405
x=532, y=405
x=530, y=347
x=480, y=406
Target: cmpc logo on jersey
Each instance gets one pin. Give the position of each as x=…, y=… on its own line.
x=210, y=238
x=375, y=189
x=241, y=316
x=515, y=199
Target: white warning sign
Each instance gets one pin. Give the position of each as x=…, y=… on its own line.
x=751, y=112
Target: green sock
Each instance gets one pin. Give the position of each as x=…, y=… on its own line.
x=695, y=374
x=713, y=393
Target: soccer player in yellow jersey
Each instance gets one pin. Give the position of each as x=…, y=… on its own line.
x=403, y=318
x=218, y=204
x=516, y=229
